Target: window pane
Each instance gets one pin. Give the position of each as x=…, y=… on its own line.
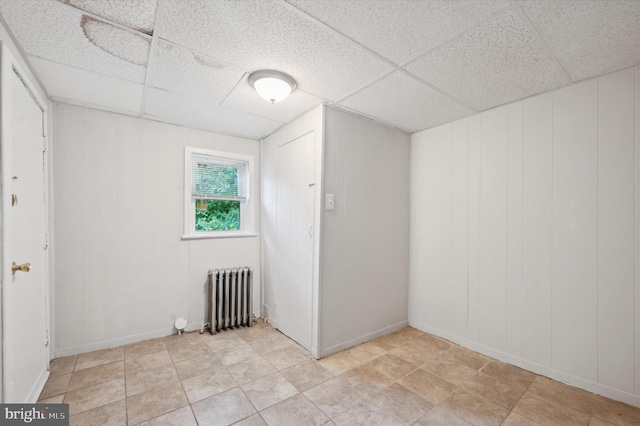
x=217, y=215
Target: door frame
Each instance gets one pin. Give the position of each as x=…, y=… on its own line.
x=9, y=65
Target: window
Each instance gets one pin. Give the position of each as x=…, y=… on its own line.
x=217, y=200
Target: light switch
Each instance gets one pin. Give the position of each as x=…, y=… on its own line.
x=329, y=202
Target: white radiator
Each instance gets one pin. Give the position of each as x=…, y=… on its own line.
x=229, y=297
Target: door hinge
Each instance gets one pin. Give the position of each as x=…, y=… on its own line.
x=46, y=240
x=44, y=144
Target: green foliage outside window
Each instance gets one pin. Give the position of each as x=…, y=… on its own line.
x=220, y=215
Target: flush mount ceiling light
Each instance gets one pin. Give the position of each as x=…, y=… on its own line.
x=273, y=86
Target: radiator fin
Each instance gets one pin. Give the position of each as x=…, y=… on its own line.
x=229, y=299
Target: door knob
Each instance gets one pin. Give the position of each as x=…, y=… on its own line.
x=25, y=267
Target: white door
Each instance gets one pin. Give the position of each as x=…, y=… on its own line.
x=25, y=335
x=295, y=233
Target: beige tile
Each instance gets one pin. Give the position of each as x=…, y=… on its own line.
x=548, y=411
x=176, y=340
x=58, y=399
x=515, y=419
x=411, y=332
x=223, y=409
x=615, y=412
x=432, y=343
x=198, y=366
x=367, y=351
x=111, y=414
x=188, y=351
x=93, y=359
x=391, y=341
x=143, y=380
x=250, y=370
x=235, y=354
x=155, y=403
x=180, y=417
x=297, y=410
x=334, y=397
x=402, y=403
x=443, y=366
x=145, y=347
x=206, y=385
x=221, y=341
x=252, y=334
x=269, y=390
x=367, y=380
x=366, y=415
x=467, y=357
x=55, y=385
x=255, y=420
x=503, y=392
x=392, y=366
x=306, y=375
x=94, y=396
x=149, y=361
x=506, y=372
x=286, y=357
x=63, y=365
x=598, y=422
x=414, y=353
x=340, y=362
x=440, y=416
x=272, y=343
x=94, y=375
x=431, y=387
x=474, y=409
x=564, y=395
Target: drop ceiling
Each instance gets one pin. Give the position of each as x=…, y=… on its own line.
x=408, y=63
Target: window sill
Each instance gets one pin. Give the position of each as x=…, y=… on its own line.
x=229, y=234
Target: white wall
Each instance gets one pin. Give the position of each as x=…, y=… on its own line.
x=364, y=259
x=123, y=273
x=311, y=122
x=522, y=233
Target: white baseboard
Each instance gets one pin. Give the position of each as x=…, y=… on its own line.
x=362, y=339
x=560, y=376
x=37, y=387
x=125, y=340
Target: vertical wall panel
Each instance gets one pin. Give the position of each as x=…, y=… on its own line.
x=474, y=229
x=537, y=214
x=445, y=229
x=514, y=229
x=459, y=225
x=575, y=221
x=99, y=200
x=636, y=247
x=129, y=232
x=615, y=230
x=432, y=260
x=69, y=230
x=493, y=240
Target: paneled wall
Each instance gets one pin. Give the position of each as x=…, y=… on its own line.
x=525, y=236
x=364, y=259
x=122, y=271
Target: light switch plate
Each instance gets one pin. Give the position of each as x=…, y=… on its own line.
x=329, y=202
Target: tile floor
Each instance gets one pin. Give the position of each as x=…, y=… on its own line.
x=257, y=376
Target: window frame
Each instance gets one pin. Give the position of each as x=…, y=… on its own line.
x=247, y=220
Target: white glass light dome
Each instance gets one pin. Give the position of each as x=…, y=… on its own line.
x=273, y=86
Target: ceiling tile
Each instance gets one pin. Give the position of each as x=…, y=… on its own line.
x=245, y=98
x=87, y=88
x=259, y=34
x=136, y=14
x=199, y=115
x=402, y=101
x=187, y=73
x=499, y=62
x=589, y=38
x=400, y=30
x=50, y=30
